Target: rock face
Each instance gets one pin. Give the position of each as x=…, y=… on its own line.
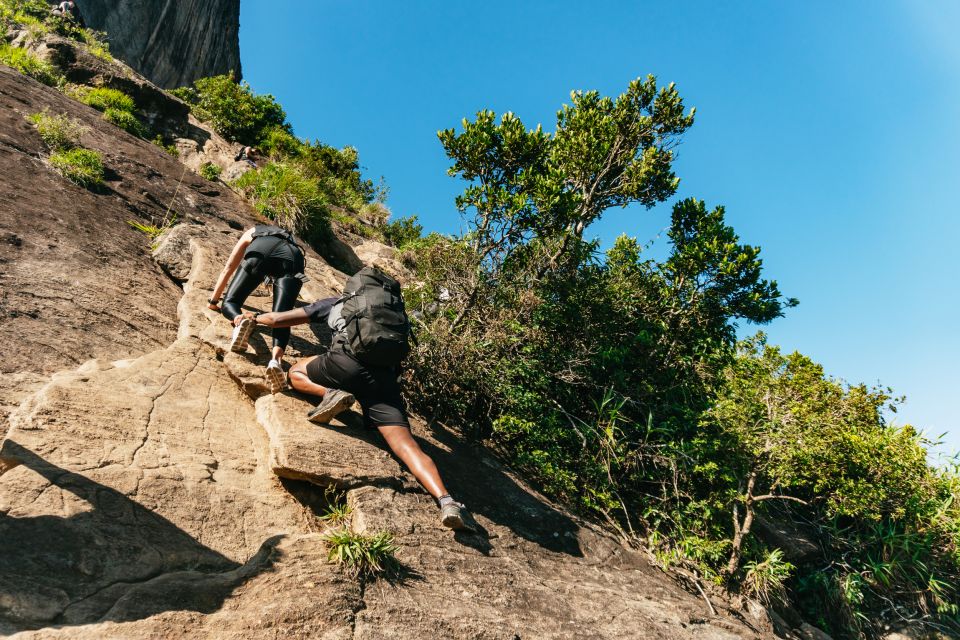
x=171, y=42
x=151, y=488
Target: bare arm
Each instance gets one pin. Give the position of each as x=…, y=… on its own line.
x=281, y=319
x=236, y=256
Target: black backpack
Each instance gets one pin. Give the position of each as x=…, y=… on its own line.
x=377, y=327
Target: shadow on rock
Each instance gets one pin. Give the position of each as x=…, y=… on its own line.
x=117, y=562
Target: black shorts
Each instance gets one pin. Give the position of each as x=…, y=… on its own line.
x=377, y=390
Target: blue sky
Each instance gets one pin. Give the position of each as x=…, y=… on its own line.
x=829, y=131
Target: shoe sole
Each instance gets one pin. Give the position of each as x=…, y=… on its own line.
x=455, y=522
x=275, y=380
x=329, y=414
x=240, y=344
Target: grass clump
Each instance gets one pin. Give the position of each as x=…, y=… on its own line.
x=363, y=555
x=210, y=171
x=282, y=192
x=103, y=98
x=59, y=133
x=81, y=166
x=126, y=121
x=29, y=64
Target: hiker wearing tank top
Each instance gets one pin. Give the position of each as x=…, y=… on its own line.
x=263, y=252
x=338, y=377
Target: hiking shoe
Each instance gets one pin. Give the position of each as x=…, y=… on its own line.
x=334, y=401
x=276, y=379
x=454, y=516
x=241, y=335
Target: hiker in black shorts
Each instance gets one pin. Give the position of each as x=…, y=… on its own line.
x=263, y=252
x=338, y=377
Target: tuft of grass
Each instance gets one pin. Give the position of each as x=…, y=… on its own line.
x=81, y=166
x=210, y=171
x=362, y=555
x=126, y=121
x=281, y=192
x=59, y=133
x=29, y=64
x=338, y=511
x=99, y=49
x=103, y=98
x=765, y=580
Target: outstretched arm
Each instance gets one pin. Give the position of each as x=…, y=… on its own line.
x=236, y=256
x=281, y=319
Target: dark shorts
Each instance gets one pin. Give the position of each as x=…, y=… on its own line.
x=377, y=390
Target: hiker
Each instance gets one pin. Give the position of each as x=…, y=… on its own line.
x=66, y=9
x=263, y=252
x=366, y=370
x=249, y=155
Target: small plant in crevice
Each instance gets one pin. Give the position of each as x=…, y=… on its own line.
x=366, y=556
x=83, y=167
x=765, y=579
x=210, y=171
x=337, y=512
x=58, y=132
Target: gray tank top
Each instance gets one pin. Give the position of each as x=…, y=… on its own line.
x=335, y=320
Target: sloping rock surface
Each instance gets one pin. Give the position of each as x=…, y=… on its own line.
x=151, y=488
x=171, y=42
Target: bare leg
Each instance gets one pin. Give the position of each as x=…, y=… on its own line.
x=277, y=353
x=401, y=442
x=300, y=381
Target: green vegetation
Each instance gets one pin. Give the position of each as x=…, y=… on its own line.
x=210, y=171
x=233, y=110
x=60, y=132
x=103, y=98
x=126, y=121
x=362, y=555
x=36, y=18
x=338, y=512
x=284, y=194
x=82, y=166
x=402, y=232
x=29, y=64
x=616, y=381
x=303, y=185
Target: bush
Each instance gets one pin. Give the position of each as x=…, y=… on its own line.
x=103, y=98
x=210, y=171
x=126, y=121
x=403, y=231
x=29, y=64
x=280, y=144
x=59, y=133
x=282, y=193
x=366, y=556
x=82, y=166
x=234, y=111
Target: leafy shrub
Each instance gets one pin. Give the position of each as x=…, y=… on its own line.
x=103, y=98
x=403, y=231
x=280, y=144
x=126, y=121
x=284, y=194
x=29, y=64
x=82, y=166
x=60, y=132
x=233, y=110
x=210, y=171
x=362, y=555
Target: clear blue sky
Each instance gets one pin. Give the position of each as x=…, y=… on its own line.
x=830, y=131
